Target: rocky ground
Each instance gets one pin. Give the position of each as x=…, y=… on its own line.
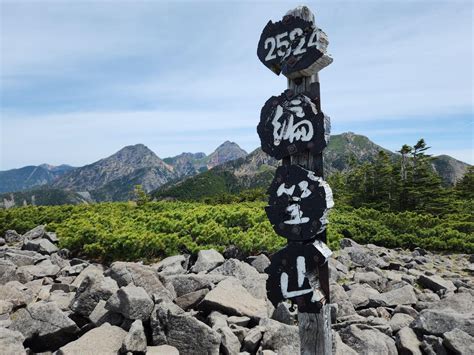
x=384, y=301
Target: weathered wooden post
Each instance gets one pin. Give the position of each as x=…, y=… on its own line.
x=293, y=128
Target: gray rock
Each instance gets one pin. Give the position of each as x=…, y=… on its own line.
x=14, y=293
x=139, y=275
x=252, y=339
x=240, y=332
x=406, y=310
x=105, y=340
x=399, y=321
x=7, y=272
x=59, y=261
x=94, y=288
x=40, y=270
x=459, y=342
x=44, y=326
x=368, y=341
x=101, y=315
x=172, y=265
x=188, y=283
x=458, y=302
x=91, y=270
x=41, y=245
x=407, y=342
x=162, y=350
x=231, y=298
x=340, y=297
x=359, y=295
x=251, y=279
x=11, y=342
x=159, y=320
x=363, y=257
x=62, y=299
x=132, y=302
x=37, y=232
x=433, y=345
x=135, y=341
x=282, y=314
x=217, y=320
x=347, y=243
x=438, y=322
x=11, y=237
x=279, y=337
x=52, y=237
x=404, y=295
x=230, y=344
x=259, y=262
x=2, y=242
x=242, y=321
x=192, y=299
x=436, y=283
x=339, y=347
x=370, y=278
x=207, y=260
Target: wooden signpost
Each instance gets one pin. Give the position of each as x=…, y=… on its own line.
x=293, y=129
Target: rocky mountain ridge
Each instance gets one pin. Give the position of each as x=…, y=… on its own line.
x=384, y=301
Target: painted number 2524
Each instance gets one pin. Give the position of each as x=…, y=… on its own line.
x=278, y=45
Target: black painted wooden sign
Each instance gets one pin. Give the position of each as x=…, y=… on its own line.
x=288, y=278
x=291, y=45
x=299, y=203
x=291, y=124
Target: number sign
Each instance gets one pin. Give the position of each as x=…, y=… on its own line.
x=299, y=203
x=292, y=45
x=288, y=275
x=291, y=124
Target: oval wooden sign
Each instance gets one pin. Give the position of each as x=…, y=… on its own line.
x=299, y=203
x=291, y=124
x=294, y=47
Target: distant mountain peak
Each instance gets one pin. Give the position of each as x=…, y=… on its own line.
x=227, y=151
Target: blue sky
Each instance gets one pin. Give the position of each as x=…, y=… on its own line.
x=82, y=79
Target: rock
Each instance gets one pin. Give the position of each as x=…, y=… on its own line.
x=135, y=341
x=13, y=293
x=91, y=270
x=459, y=342
x=207, y=260
x=233, y=252
x=279, y=337
x=62, y=299
x=251, y=279
x=172, y=265
x=399, y=321
x=162, y=350
x=52, y=237
x=188, y=283
x=404, y=295
x=7, y=272
x=362, y=257
x=347, y=243
x=370, y=278
x=44, y=326
x=230, y=344
x=94, y=288
x=2, y=242
x=406, y=310
x=192, y=299
x=433, y=345
x=230, y=297
x=101, y=315
x=259, y=262
x=37, y=232
x=62, y=263
x=438, y=322
x=340, y=297
x=436, y=283
x=282, y=314
x=11, y=237
x=240, y=332
x=105, y=340
x=159, y=320
x=217, y=320
x=407, y=342
x=132, y=302
x=242, y=321
x=458, y=302
x=40, y=270
x=368, y=340
x=126, y=273
x=23, y=257
x=359, y=295
x=41, y=245
x=11, y=342
x=339, y=347
x=252, y=339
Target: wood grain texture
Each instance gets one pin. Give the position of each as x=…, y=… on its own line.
x=315, y=332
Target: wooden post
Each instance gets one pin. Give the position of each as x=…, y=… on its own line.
x=314, y=328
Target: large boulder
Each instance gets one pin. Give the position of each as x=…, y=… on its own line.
x=230, y=344
x=340, y=297
x=230, y=297
x=132, y=302
x=11, y=342
x=37, y=232
x=135, y=341
x=172, y=265
x=184, y=284
x=44, y=326
x=40, y=270
x=41, y=245
x=368, y=340
x=251, y=279
x=339, y=347
x=407, y=342
x=459, y=342
x=359, y=295
x=105, y=340
x=159, y=320
x=22, y=257
x=11, y=237
x=192, y=299
x=403, y=295
x=436, y=283
x=207, y=260
x=437, y=322
x=162, y=350
x=279, y=337
x=7, y=272
x=259, y=262
x=433, y=345
x=94, y=288
x=101, y=315
x=126, y=273
x=399, y=321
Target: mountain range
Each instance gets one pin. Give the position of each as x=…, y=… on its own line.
x=188, y=175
